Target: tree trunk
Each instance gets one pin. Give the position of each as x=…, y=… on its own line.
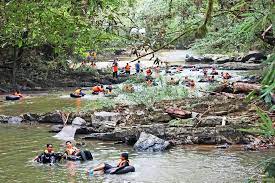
x=14, y=68
x=240, y=87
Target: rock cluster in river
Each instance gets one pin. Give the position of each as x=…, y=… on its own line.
x=251, y=57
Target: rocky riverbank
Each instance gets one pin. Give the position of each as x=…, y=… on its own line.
x=206, y=120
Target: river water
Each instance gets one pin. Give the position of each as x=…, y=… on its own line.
x=20, y=144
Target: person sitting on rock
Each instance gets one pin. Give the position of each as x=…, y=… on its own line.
x=48, y=156
x=204, y=72
x=214, y=71
x=226, y=75
x=109, y=89
x=211, y=78
x=191, y=83
x=194, y=68
x=185, y=80
x=97, y=89
x=109, y=169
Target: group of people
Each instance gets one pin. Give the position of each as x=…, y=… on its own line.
x=72, y=153
x=126, y=69
x=95, y=90
x=49, y=156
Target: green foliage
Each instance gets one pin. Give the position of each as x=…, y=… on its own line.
x=264, y=126
x=181, y=122
x=148, y=96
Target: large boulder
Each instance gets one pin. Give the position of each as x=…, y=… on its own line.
x=254, y=56
x=4, y=119
x=15, y=120
x=30, y=117
x=240, y=66
x=53, y=117
x=105, y=119
x=148, y=142
x=56, y=128
x=79, y=122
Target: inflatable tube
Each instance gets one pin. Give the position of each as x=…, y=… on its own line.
x=82, y=156
x=214, y=73
x=12, y=97
x=125, y=170
x=76, y=96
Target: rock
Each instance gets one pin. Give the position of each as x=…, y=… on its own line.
x=210, y=121
x=177, y=113
x=79, y=122
x=223, y=60
x=199, y=59
x=106, y=119
x=85, y=130
x=54, y=117
x=148, y=142
x=4, y=119
x=15, y=120
x=30, y=117
x=254, y=56
x=56, y=128
x=240, y=66
x=160, y=117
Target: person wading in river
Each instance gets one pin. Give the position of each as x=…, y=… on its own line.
x=115, y=71
x=128, y=69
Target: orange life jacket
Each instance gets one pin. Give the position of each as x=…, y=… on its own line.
x=128, y=67
x=97, y=89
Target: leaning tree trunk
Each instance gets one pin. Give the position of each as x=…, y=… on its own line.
x=14, y=67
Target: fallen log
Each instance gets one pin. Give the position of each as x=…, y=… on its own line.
x=240, y=87
x=177, y=113
x=3, y=90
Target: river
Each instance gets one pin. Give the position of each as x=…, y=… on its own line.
x=181, y=164
x=20, y=144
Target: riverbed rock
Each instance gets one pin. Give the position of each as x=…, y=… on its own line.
x=53, y=117
x=149, y=142
x=199, y=59
x=240, y=66
x=210, y=121
x=79, y=122
x=4, y=119
x=105, y=119
x=15, y=120
x=56, y=128
x=254, y=56
x=30, y=117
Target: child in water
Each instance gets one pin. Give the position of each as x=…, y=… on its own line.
x=109, y=169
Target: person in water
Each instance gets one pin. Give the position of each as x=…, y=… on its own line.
x=109, y=169
x=137, y=66
x=97, y=89
x=115, y=71
x=48, y=156
x=73, y=151
x=17, y=93
x=128, y=69
x=109, y=89
x=79, y=92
